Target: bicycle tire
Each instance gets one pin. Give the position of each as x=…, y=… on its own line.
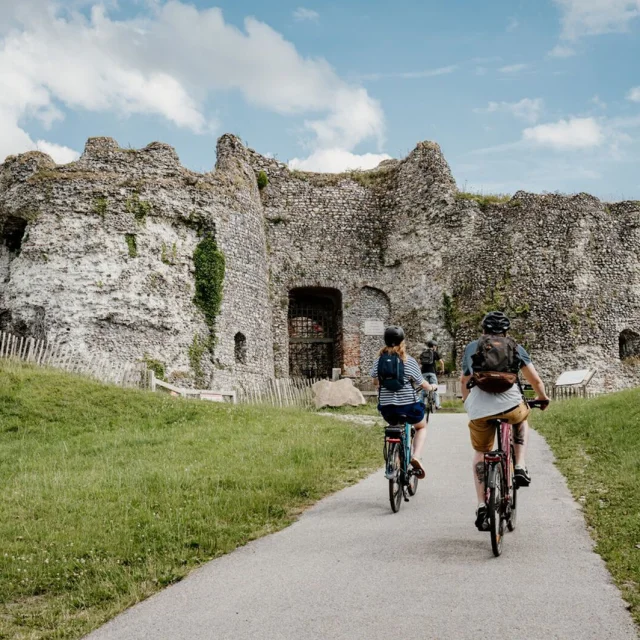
x=512, y=521
x=496, y=516
x=395, y=486
x=412, y=487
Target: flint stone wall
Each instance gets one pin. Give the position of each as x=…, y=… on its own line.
x=392, y=241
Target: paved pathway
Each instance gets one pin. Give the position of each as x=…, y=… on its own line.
x=350, y=569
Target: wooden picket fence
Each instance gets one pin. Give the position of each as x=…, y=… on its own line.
x=567, y=392
x=50, y=354
x=283, y=392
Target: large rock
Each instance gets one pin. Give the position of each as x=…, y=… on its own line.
x=337, y=394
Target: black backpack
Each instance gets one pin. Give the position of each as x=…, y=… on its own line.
x=391, y=371
x=427, y=358
x=496, y=363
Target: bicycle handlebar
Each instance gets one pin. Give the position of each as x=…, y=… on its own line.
x=539, y=404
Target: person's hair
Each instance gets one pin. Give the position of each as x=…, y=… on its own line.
x=400, y=350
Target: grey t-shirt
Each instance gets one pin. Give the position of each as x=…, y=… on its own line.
x=479, y=403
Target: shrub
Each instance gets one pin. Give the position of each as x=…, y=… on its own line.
x=130, y=239
x=209, y=265
x=263, y=180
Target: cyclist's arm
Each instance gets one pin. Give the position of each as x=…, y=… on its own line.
x=440, y=364
x=428, y=387
x=531, y=376
x=463, y=386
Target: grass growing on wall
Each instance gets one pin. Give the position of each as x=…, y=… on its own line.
x=132, y=247
x=111, y=494
x=597, y=447
x=484, y=200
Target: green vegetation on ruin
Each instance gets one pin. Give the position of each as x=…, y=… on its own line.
x=372, y=179
x=597, y=447
x=139, y=208
x=209, y=265
x=263, y=180
x=132, y=246
x=109, y=495
x=198, y=347
x=100, y=205
x=165, y=256
x=158, y=368
x=485, y=200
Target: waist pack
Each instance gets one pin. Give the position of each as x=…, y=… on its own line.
x=391, y=371
x=495, y=363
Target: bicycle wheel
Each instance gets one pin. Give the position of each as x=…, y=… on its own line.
x=496, y=518
x=395, y=486
x=412, y=487
x=511, y=522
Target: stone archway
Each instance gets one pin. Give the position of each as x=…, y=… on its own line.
x=315, y=332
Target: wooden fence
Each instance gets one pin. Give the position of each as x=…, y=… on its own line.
x=59, y=356
x=283, y=392
x=564, y=393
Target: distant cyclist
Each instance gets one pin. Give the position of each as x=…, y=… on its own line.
x=429, y=359
x=397, y=375
x=490, y=366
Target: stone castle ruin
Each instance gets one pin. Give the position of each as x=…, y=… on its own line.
x=254, y=271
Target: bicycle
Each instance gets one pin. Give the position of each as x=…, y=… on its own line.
x=428, y=399
x=501, y=495
x=403, y=482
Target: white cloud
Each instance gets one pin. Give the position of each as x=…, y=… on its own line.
x=337, y=160
x=302, y=14
x=634, y=94
x=513, y=68
x=513, y=24
x=526, y=109
x=562, y=51
x=601, y=104
x=575, y=133
x=594, y=17
x=168, y=64
x=59, y=153
x=412, y=75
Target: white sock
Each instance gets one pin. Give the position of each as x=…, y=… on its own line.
x=519, y=466
x=481, y=504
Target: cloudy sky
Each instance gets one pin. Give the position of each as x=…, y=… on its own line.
x=543, y=95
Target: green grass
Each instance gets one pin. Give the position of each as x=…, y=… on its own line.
x=484, y=199
x=108, y=495
x=597, y=446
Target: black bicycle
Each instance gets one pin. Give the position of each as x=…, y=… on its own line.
x=403, y=482
x=428, y=399
x=501, y=489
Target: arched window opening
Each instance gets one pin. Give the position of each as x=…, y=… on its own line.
x=240, y=348
x=629, y=342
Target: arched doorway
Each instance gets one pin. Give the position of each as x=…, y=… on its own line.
x=315, y=329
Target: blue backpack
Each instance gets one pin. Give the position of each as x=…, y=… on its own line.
x=391, y=371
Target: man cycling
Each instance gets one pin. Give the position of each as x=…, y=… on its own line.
x=485, y=407
x=396, y=375
x=429, y=359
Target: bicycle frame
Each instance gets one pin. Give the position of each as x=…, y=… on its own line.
x=405, y=441
x=502, y=456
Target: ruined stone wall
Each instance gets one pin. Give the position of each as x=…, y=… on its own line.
x=106, y=260
x=392, y=242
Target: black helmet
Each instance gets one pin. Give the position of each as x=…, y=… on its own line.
x=496, y=322
x=432, y=343
x=393, y=336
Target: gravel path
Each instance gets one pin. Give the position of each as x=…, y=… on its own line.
x=350, y=569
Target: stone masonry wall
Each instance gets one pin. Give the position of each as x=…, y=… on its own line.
x=77, y=273
x=392, y=241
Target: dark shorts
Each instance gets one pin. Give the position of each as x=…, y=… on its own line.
x=391, y=412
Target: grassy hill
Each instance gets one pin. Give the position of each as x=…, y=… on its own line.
x=108, y=494
x=597, y=446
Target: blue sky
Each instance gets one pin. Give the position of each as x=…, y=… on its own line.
x=542, y=96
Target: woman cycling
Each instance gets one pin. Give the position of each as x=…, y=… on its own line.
x=404, y=400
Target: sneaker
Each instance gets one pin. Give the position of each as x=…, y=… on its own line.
x=523, y=479
x=418, y=469
x=482, y=524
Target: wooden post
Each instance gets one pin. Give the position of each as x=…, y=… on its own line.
x=152, y=380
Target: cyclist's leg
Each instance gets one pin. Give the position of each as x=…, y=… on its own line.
x=420, y=438
x=483, y=434
x=518, y=418
x=431, y=378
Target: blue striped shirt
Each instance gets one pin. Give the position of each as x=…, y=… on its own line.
x=407, y=394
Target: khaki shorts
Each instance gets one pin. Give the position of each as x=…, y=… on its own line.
x=483, y=430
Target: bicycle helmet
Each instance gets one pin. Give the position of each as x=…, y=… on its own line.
x=496, y=322
x=432, y=343
x=393, y=336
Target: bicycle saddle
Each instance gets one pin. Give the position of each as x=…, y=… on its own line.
x=398, y=420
